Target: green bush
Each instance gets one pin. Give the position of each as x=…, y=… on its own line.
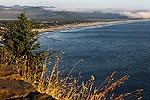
x=19, y=44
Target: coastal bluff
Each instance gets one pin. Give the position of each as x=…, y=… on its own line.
x=13, y=88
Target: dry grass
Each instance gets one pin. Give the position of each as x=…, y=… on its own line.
x=69, y=88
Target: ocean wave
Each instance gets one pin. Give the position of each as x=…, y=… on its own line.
x=91, y=27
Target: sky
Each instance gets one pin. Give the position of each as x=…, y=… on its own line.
x=127, y=4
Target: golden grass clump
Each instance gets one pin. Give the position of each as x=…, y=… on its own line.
x=69, y=88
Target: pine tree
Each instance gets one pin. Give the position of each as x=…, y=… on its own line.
x=19, y=40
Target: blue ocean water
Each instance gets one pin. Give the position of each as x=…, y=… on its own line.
x=124, y=48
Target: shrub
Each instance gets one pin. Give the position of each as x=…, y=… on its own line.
x=19, y=44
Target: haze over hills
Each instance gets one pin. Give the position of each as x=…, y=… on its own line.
x=44, y=12
x=51, y=13
x=23, y=7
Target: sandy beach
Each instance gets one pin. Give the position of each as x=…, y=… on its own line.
x=85, y=24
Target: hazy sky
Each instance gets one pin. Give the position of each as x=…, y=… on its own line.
x=131, y=4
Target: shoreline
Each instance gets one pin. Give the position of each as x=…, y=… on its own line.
x=84, y=24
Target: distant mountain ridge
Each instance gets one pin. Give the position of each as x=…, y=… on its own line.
x=23, y=7
x=50, y=14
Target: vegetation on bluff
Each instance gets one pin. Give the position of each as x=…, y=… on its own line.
x=18, y=45
x=18, y=49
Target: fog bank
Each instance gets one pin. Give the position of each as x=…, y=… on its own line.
x=136, y=14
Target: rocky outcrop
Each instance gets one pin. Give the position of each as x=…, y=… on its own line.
x=35, y=96
x=13, y=88
x=7, y=72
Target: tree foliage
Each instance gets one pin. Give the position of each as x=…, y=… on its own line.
x=20, y=41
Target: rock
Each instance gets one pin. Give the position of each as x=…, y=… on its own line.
x=13, y=88
x=7, y=72
x=36, y=96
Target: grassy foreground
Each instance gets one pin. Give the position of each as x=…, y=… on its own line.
x=69, y=88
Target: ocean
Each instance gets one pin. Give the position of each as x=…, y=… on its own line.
x=122, y=47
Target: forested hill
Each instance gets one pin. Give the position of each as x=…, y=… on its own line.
x=48, y=13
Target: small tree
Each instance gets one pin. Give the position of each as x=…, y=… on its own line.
x=20, y=42
x=19, y=38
